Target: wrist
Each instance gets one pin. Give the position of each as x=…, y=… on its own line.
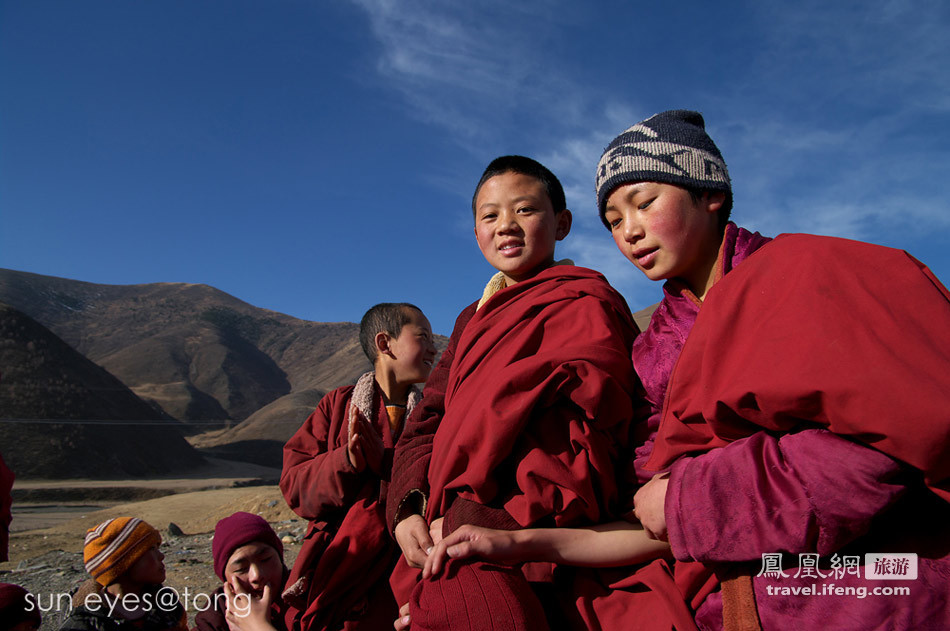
x=412, y=504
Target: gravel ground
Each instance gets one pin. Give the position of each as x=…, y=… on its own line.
x=187, y=564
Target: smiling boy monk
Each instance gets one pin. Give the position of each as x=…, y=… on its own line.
x=801, y=388
x=336, y=468
x=525, y=420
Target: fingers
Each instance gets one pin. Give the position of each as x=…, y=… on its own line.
x=266, y=596
x=417, y=554
x=351, y=424
x=354, y=451
x=412, y=535
x=435, y=531
x=460, y=544
x=237, y=587
x=433, y=564
x=402, y=622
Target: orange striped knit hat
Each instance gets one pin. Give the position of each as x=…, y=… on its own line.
x=113, y=546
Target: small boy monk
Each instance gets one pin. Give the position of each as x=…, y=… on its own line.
x=800, y=389
x=526, y=419
x=336, y=469
x=125, y=591
x=249, y=559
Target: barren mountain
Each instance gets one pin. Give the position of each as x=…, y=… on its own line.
x=102, y=428
x=260, y=438
x=195, y=351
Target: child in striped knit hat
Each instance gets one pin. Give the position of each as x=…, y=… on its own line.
x=125, y=592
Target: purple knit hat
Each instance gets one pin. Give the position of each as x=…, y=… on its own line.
x=237, y=530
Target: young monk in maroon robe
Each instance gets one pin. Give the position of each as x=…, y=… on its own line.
x=526, y=419
x=806, y=383
x=336, y=469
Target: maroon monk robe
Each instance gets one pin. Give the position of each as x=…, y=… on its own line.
x=853, y=337
x=536, y=422
x=340, y=578
x=813, y=332
x=538, y=403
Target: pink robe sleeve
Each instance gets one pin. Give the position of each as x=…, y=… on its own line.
x=317, y=479
x=812, y=491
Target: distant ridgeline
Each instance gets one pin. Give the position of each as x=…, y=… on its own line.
x=166, y=359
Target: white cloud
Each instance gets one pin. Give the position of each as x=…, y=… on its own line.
x=465, y=67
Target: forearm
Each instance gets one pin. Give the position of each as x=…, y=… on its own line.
x=606, y=545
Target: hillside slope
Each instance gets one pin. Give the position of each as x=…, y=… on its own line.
x=195, y=351
x=103, y=429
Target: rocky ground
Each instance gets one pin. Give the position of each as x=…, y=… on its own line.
x=48, y=561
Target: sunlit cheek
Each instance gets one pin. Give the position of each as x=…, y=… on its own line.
x=663, y=225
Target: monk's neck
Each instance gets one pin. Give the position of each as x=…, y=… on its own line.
x=707, y=270
x=394, y=392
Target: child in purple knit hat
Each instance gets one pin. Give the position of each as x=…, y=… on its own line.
x=249, y=559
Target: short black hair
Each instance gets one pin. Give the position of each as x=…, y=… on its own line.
x=529, y=167
x=386, y=317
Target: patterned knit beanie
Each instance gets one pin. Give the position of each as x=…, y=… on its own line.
x=670, y=147
x=237, y=530
x=114, y=546
x=14, y=608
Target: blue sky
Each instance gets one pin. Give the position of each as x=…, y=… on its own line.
x=317, y=157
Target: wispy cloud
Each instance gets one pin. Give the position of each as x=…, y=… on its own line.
x=466, y=67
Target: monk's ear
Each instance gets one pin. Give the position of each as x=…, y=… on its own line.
x=563, y=227
x=382, y=344
x=713, y=201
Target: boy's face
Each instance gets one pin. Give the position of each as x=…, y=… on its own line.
x=516, y=227
x=149, y=569
x=666, y=234
x=253, y=566
x=413, y=350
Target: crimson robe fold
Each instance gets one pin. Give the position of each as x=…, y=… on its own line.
x=539, y=403
x=818, y=332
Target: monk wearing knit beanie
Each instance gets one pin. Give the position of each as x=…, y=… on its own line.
x=113, y=546
x=123, y=558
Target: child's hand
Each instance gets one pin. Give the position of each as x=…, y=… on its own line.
x=474, y=541
x=402, y=622
x=650, y=506
x=435, y=531
x=247, y=612
x=364, y=445
x=412, y=535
